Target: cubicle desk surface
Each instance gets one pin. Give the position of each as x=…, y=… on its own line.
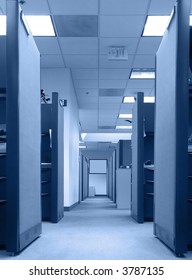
x=149, y=192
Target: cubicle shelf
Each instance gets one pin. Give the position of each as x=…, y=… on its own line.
x=44, y=194
x=3, y=201
x=46, y=165
x=3, y=178
x=150, y=194
x=149, y=181
x=149, y=167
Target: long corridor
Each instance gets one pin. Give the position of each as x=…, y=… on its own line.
x=96, y=230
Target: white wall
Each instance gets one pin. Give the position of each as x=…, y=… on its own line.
x=59, y=80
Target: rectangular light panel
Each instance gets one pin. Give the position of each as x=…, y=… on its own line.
x=2, y=25
x=40, y=25
x=149, y=99
x=142, y=74
x=156, y=25
x=128, y=99
x=125, y=116
x=123, y=127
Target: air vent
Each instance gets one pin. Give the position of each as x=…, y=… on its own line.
x=106, y=127
x=111, y=92
x=117, y=53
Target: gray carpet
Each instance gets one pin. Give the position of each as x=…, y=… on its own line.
x=96, y=230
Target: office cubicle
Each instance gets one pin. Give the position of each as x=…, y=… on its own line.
x=171, y=222
x=52, y=158
x=142, y=188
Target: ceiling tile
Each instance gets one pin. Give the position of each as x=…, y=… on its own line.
x=107, y=74
x=110, y=106
x=2, y=7
x=76, y=26
x=105, y=63
x=126, y=108
x=121, y=26
x=133, y=91
x=161, y=7
x=79, y=45
x=90, y=92
x=87, y=99
x=144, y=61
x=81, y=61
x=86, y=84
x=111, y=99
x=111, y=92
x=149, y=45
x=87, y=105
x=129, y=43
x=32, y=7
x=123, y=7
x=140, y=84
x=47, y=45
x=112, y=83
x=85, y=74
x=48, y=61
x=74, y=7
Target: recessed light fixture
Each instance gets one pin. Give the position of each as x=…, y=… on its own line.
x=149, y=99
x=40, y=25
x=2, y=25
x=142, y=74
x=123, y=127
x=128, y=99
x=156, y=25
x=125, y=116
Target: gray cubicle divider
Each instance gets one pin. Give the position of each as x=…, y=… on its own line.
x=137, y=192
x=125, y=153
x=52, y=116
x=171, y=134
x=23, y=133
x=142, y=151
x=57, y=186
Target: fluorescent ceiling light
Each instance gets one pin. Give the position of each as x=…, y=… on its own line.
x=2, y=25
x=135, y=74
x=149, y=99
x=190, y=20
x=83, y=135
x=156, y=25
x=108, y=137
x=123, y=127
x=125, y=116
x=40, y=25
x=82, y=147
x=128, y=99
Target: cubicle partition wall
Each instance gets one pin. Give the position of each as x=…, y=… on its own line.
x=171, y=134
x=52, y=154
x=137, y=189
x=142, y=160
x=2, y=167
x=23, y=213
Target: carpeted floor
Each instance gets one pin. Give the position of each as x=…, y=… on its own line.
x=96, y=230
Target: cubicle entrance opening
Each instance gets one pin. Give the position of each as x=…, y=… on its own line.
x=97, y=178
